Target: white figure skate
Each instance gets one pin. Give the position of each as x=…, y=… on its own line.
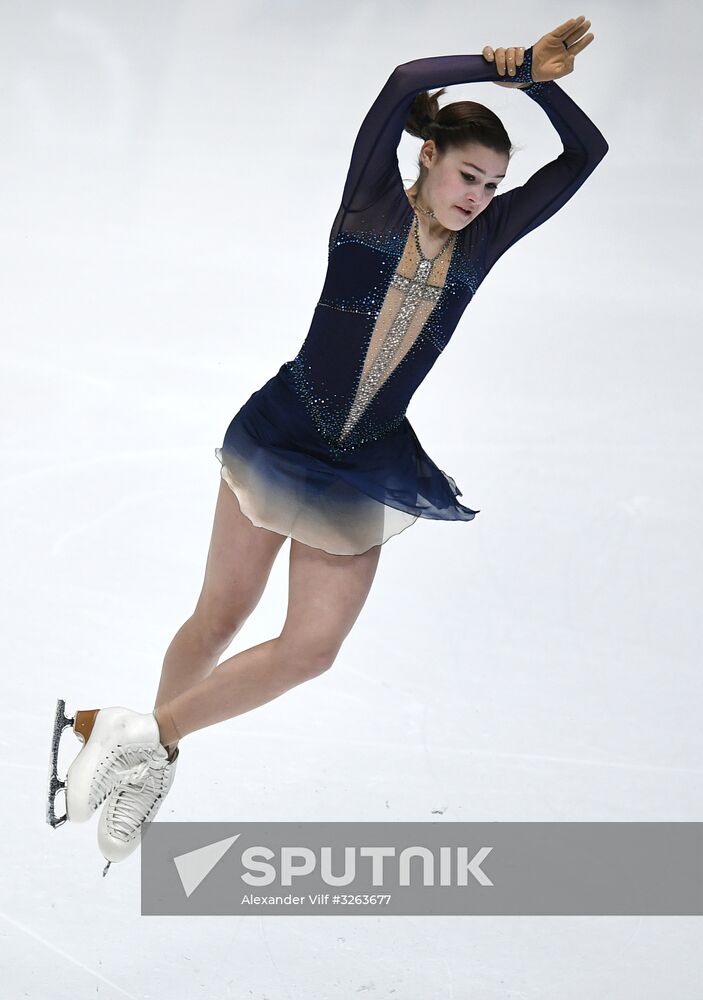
x=116, y=742
x=132, y=803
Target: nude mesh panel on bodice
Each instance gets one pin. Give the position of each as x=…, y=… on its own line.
x=412, y=294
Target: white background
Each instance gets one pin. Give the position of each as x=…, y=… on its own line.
x=169, y=175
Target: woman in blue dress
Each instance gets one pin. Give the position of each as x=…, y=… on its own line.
x=323, y=453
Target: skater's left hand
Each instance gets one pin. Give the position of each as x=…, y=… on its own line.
x=552, y=56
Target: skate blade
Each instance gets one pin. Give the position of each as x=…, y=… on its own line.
x=61, y=721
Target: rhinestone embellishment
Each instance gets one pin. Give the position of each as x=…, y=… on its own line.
x=415, y=290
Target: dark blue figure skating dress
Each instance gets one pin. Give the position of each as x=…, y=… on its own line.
x=323, y=452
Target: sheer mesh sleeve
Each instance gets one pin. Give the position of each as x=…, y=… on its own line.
x=373, y=169
x=515, y=213
x=374, y=163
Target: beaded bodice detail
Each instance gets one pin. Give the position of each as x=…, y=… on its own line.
x=412, y=294
x=386, y=312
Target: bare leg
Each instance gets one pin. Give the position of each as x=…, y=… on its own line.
x=239, y=561
x=326, y=595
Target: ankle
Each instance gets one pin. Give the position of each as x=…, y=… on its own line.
x=168, y=731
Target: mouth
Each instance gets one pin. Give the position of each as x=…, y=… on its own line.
x=467, y=213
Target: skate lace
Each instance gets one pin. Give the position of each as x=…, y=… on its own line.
x=137, y=798
x=118, y=763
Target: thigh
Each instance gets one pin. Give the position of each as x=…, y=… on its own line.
x=239, y=561
x=326, y=595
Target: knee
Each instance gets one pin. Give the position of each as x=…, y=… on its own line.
x=215, y=629
x=308, y=662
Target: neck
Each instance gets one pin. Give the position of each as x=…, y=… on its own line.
x=434, y=229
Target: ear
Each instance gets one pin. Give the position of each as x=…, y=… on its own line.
x=428, y=150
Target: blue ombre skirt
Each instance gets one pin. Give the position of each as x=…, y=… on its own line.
x=278, y=465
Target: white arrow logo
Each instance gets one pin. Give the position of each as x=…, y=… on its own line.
x=196, y=865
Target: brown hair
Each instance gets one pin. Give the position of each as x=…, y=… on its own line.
x=455, y=124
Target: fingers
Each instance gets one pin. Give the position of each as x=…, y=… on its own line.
x=567, y=26
x=505, y=59
x=571, y=36
x=581, y=44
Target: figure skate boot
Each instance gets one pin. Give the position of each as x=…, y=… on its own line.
x=132, y=803
x=116, y=742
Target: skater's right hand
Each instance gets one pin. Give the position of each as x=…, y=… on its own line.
x=506, y=59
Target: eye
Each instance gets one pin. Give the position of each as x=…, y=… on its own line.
x=470, y=177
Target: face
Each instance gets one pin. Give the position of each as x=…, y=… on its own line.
x=465, y=177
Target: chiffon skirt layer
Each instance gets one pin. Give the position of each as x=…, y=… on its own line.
x=279, y=466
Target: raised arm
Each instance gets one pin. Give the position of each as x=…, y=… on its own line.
x=374, y=164
x=513, y=214
x=374, y=161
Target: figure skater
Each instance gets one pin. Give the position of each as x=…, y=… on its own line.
x=323, y=453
